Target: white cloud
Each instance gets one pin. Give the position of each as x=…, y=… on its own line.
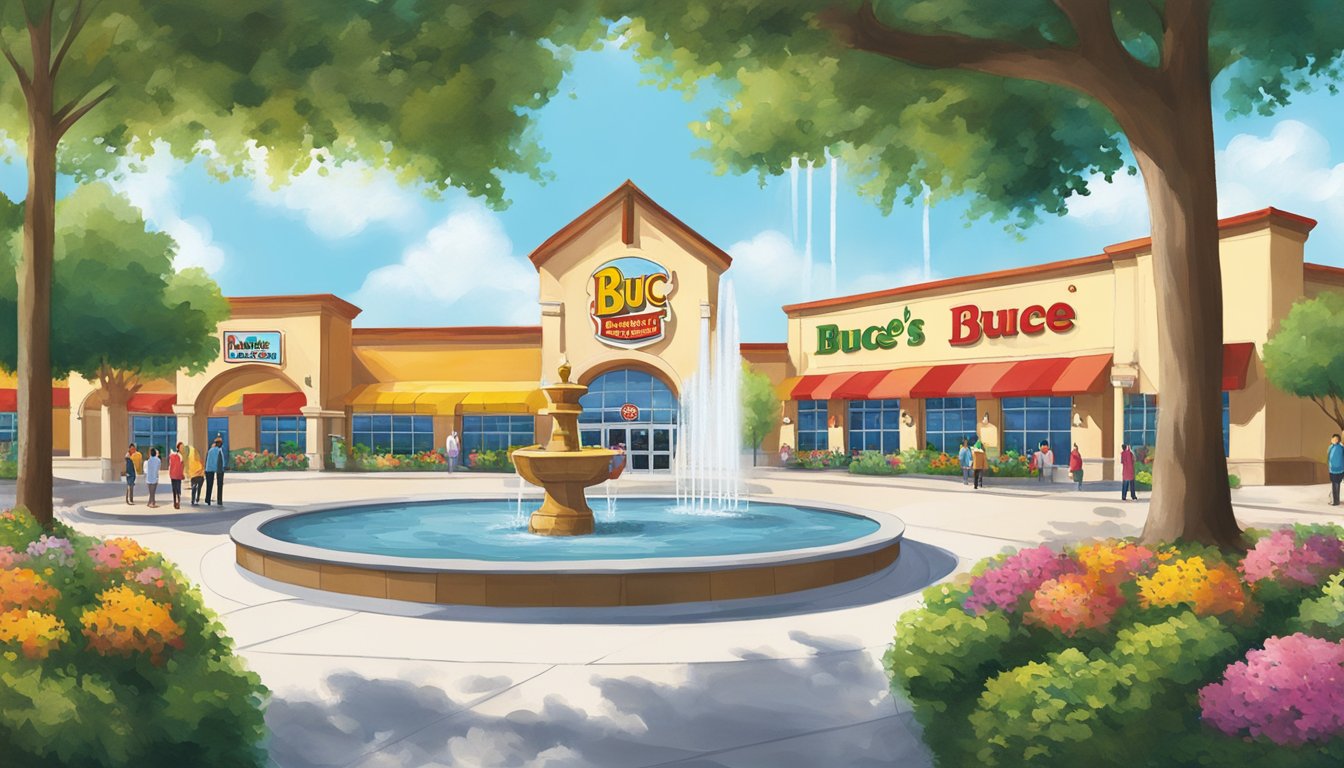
x=1288, y=169
x=151, y=185
x=339, y=203
x=463, y=272
x=1121, y=201
x=774, y=270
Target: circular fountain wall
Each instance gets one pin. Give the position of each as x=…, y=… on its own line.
x=478, y=552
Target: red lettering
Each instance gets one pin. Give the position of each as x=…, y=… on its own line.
x=999, y=324
x=1030, y=325
x=1060, y=318
x=965, y=325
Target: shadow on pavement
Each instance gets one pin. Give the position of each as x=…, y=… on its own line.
x=830, y=709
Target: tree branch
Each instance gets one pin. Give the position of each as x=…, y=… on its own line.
x=1185, y=38
x=25, y=82
x=77, y=22
x=68, y=115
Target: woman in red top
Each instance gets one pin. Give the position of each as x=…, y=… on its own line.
x=1076, y=466
x=175, y=475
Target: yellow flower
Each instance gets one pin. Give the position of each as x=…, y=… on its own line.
x=126, y=622
x=1191, y=582
x=37, y=634
x=24, y=588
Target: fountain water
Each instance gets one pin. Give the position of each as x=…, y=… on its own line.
x=709, y=470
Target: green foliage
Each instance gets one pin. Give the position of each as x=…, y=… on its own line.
x=1323, y=616
x=1018, y=148
x=493, y=460
x=874, y=463
x=197, y=705
x=820, y=460
x=365, y=459
x=247, y=460
x=761, y=407
x=1304, y=356
x=116, y=299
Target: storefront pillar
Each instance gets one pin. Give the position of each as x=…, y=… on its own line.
x=113, y=428
x=1121, y=380
x=186, y=424
x=315, y=434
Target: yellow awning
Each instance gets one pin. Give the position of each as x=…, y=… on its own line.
x=442, y=398
x=784, y=389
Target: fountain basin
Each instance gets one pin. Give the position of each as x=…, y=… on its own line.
x=650, y=556
x=564, y=475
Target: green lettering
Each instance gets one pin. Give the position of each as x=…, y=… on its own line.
x=828, y=339
x=916, y=329
x=868, y=341
x=849, y=340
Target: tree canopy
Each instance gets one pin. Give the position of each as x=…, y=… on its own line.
x=1305, y=356
x=760, y=407
x=119, y=309
x=1016, y=148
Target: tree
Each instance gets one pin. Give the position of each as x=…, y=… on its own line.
x=760, y=408
x=1021, y=105
x=121, y=314
x=1305, y=358
x=438, y=91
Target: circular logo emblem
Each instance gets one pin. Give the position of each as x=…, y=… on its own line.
x=629, y=412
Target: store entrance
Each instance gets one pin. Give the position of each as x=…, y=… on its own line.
x=632, y=408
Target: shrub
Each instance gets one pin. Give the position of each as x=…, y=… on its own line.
x=1061, y=658
x=875, y=463
x=363, y=459
x=492, y=460
x=820, y=460
x=109, y=658
x=264, y=461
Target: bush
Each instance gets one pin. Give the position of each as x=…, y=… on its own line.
x=492, y=460
x=875, y=463
x=820, y=460
x=108, y=657
x=1060, y=658
x=248, y=460
x=363, y=459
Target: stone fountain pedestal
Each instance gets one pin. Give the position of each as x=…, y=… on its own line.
x=562, y=467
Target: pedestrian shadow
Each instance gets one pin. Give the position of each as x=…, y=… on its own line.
x=1068, y=531
x=829, y=708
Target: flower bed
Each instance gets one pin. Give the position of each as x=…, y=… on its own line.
x=1112, y=653
x=109, y=657
x=915, y=462
x=820, y=460
x=491, y=461
x=264, y=461
x=1143, y=475
x=363, y=460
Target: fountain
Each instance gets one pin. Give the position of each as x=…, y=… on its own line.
x=562, y=467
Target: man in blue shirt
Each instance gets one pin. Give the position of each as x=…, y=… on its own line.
x=1334, y=463
x=215, y=460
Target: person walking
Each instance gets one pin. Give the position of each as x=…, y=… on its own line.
x=195, y=471
x=1334, y=463
x=979, y=463
x=1038, y=462
x=1048, y=457
x=452, y=448
x=965, y=458
x=129, y=473
x=138, y=459
x=1127, y=474
x=175, y=474
x=152, y=466
x=214, y=471
x=1076, y=466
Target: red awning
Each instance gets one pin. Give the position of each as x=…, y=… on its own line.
x=826, y=389
x=1084, y=374
x=9, y=399
x=806, y=386
x=274, y=404
x=1032, y=377
x=937, y=381
x=1236, y=361
x=151, y=402
x=859, y=385
x=897, y=384
x=978, y=379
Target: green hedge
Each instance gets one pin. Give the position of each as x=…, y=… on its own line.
x=926, y=462
x=108, y=657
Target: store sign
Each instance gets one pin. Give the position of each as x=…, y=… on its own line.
x=253, y=347
x=970, y=323
x=831, y=339
x=630, y=412
x=630, y=306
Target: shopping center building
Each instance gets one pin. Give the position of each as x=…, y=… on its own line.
x=1065, y=351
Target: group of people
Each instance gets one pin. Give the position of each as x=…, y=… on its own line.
x=974, y=461
x=184, y=462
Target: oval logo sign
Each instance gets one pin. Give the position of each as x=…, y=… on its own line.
x=629, y=412
x=630, y=306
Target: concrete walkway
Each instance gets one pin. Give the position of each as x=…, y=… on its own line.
x=788, y=681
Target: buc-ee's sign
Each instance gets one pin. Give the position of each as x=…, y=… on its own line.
x=253, y=347
x=831, y=339
x=970, y=323
x=630, y=302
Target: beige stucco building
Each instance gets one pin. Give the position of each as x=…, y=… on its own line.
x=1064, y=351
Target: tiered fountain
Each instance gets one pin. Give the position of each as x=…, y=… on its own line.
x=562, y=467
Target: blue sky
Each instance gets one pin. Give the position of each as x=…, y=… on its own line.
x=408, y=260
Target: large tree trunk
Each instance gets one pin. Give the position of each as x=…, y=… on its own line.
x=34, y=279
x=1175, y=151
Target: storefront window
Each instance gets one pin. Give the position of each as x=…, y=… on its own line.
x=812, y=434
x=9, y=427
x=948, y=421
x=1141, y=421
x=496, y=433
x=609, y=393
x=385, y=433
x=874, y=425
x=1029, y=420
x=283, y=434
x=217, y=426
x=149, y=431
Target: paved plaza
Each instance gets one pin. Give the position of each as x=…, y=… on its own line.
x=787, y=681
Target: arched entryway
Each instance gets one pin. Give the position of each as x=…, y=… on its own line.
x=633, y=407
x=252, y=408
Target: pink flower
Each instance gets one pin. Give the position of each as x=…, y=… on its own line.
x=1005, y=584
x=10, y=558
x=53, y=549
x=1292, y=692
x=150, y=575
x=106, y=557
x=1281, y=558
